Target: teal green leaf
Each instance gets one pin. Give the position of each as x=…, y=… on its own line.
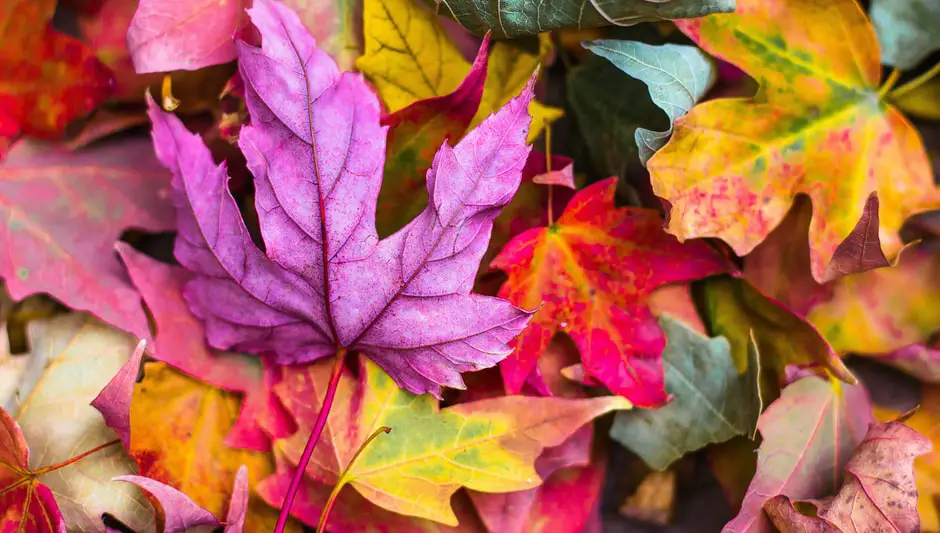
x=513, y=18
x=677, y=76
x=907, y=30
x=711, y=402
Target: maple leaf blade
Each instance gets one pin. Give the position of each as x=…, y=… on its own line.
x=317, y=152
x=240, y=292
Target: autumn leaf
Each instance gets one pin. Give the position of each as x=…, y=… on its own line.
x=177, y=429
x=488, y=445
x=24, y=502
x=734, y=309
x=409, y=57
x=677, y=77
x=285, y=301
x=180, y=343
x=167, y=35
x=818, y=126
x=883, y=310
x=49, y=78
x=711, y=402
x=65, y=247
x=906, y=30
x=415, y=133
x=591, y=271
x=878, y=494
x=72, y=358
x=809, y=434
x=513, y=18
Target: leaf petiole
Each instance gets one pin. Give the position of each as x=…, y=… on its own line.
x=915, y=83
x=345, y=478
x=312, y=440
x=548, y=168
x=889, y=83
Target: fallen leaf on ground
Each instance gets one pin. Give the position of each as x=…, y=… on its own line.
x=488, y=445
x=285, y=300
x=177, y=429
x=878, y=494
x=65, y=247
x=809, y=434
x=711, y=402
x=73, y=357
x=654, y=500
x=591, y=272
x=817, y=111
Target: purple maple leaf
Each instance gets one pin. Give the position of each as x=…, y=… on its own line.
x=326, y=282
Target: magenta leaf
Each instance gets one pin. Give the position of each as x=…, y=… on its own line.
x=114, y=400
x=326, y=283
x=179, y=511
x=238, y=506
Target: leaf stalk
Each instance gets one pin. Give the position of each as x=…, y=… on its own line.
x=312, y=440
x=346, y=478
x=915, y=83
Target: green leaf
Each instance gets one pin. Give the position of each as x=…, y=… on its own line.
x=907, y=30
x=512, y=18
x=677, y=76
x=711, y=402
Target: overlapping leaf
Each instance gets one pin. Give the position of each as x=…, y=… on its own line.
x=177, y=429
x=187, y=35
x=711, y=401
x=516, y=17
x=818, y=126
x=409, y=57
x=591, y=272
x=72, y=358
x=63, y=214
x=678, y=77
x=906, y=30
x=25, y=503
x=809, y=434
x=326, y=282
x=487, y=445
x=878, y=494
x=49, y=78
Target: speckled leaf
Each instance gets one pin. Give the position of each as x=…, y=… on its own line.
x=734, y=309
x=907, y=30
x=326, y=281
x=591, y=272
x=49, y=78
x=711, y=401
x=818, y=126
x=487, y=445
x=879, y=493
x=808, y=436
x=677, y=76
x=512, y=18
x=883, y=310
x=177, y=429
x=64, y=246
x=73, y=357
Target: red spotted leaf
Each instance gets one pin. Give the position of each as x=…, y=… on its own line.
x=591, y=272
x=325, y=281
x=49, y=79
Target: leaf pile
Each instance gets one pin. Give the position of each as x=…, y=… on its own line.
x=465, y=266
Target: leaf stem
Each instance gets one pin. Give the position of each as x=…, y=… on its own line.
x=79, y=457
x=916, y=82
x=311, y=441
x=548, y=168
x=345, y=478
x=889, y=83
